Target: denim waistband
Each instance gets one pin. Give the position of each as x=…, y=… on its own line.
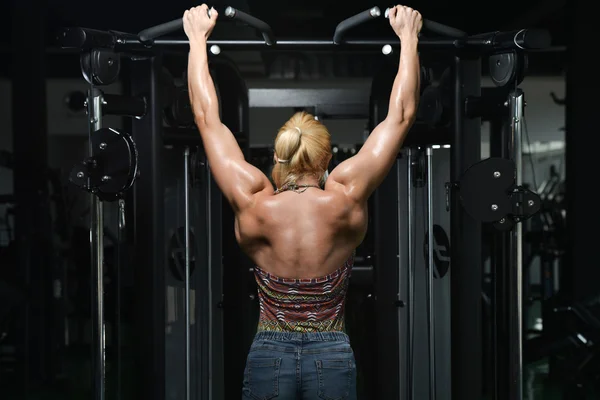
x=302, y=337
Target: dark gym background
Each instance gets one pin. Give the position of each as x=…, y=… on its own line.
x=43, y=133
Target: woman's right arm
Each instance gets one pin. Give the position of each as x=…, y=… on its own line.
x=360, y=175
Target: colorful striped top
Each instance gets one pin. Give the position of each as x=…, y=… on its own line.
x=303, y=305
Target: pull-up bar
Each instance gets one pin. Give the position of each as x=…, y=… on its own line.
x=147, y=36
x=375, y=12
x=450, y=38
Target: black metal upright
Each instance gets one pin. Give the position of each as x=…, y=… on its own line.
x=466, y=279
x=579, y=280
x=500, y=251
x=239, y=313
x=149, y=233
x=32, y=214
x=384, y=223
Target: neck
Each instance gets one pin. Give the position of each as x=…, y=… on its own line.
x=308, y=181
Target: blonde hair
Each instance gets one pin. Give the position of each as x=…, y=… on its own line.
x=302, y=147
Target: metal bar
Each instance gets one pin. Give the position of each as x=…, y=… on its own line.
x=149, y=232
x=430, y=249
x=466, y=276
x=515, y=364
x=411, y=271
x=188, y=349
x=376, y=44
x=500, y=251
x=579, y=282
x=211, y=305
x=94, y=104
x=525, y=39
x=35, y=263
x=400, y=262
x=121, y=261
x=385, y=252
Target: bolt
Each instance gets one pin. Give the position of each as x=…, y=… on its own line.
x=110, y=62
x=105, y=178
x=530, y=203
x=252, y=297
x=93, y=120
x=80, y=174
x=506, y=103
x=494, y=207
x=503, y=220
x=496, y=174
x=102, y=146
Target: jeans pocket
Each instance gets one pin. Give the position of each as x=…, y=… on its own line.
x=335, y=378
x=262, y=378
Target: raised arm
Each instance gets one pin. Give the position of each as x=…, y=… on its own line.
x=238, y=180
x=361, y=174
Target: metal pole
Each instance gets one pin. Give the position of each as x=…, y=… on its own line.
x=210, y=280
x=430, y=249
x=94, y=105
x=515, y=272
x=122, y=237
x=186, y=159
x=411, y=271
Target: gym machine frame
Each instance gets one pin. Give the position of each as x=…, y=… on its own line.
x=492, y=192
x=100, y=66
x=506, y=204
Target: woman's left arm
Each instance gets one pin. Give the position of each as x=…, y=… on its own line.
x=238, y=180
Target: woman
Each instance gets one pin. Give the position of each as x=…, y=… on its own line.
x=302, y=235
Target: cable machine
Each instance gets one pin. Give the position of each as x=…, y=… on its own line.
x=115, y=159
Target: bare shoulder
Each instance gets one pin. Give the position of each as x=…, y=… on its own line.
x=352, y=211
x=341, y=193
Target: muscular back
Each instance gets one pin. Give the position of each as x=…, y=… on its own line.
x=301, y=235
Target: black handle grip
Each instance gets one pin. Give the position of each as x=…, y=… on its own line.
x=148, y=35
x=353, y=21
x=436, y=27
x=253, y=22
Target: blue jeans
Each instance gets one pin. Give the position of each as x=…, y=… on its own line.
x=300, y=366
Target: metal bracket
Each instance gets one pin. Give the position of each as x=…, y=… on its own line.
x=525, y=204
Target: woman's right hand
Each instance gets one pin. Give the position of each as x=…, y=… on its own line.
x=405, y=21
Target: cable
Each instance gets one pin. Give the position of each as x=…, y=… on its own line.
x=543, y=216
x=530, y=154
x=120, y=262
x=424, y=196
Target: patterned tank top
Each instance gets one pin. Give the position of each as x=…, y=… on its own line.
x=303, y=305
